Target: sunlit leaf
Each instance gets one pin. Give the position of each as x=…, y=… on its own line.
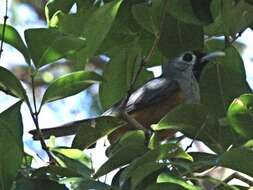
x=240, y=115
x=74, y=164
x=13, y=38
x=53, y=6
x=165, y=178
x=69, y=85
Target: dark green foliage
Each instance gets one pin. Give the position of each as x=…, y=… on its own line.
x=135, y=35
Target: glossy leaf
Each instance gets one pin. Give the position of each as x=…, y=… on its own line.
x=75, y=165
x=122, y=157
x=75, y=154
x=162, y=152
x=165, y=178
x=90, y=131
x=53, y=6
x=10, y=84
x=165, y=186
x=11, y=145
x=201, y=162
x=70, y=84
x=13, y=38
x=38, y=184
x=175, y=37
x=131, y=137
x=240, y=115
x=230, y=17
x=187, y=11
x=144, y=171
x=49, y=45
x=96, y=27
x=222, y=81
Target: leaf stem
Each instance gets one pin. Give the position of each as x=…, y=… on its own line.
x=35, y=117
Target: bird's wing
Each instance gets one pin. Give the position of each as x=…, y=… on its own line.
x=154, y=91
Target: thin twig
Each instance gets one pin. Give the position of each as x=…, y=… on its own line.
x=4, y=27
x=35, y=118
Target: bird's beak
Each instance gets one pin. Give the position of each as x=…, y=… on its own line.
x=212, y=56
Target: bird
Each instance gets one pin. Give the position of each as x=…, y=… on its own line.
x=148, y=104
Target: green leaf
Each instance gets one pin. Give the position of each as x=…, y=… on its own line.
x=165, y=186
x=165, y=178
x=175, y=37
x=202, y=10
x=91, y=130
x=11, y=145
x=72, y=163
x=75, y=154
x=206, y=128
x=96, y=27
x=201, y=162
x=162, y=152
x=144, y=171
x=121, y=157
x=131, y=137
x=53, y=6
x=53, y=171
x=230, y=17
x=13, y=38
x=240, y=115
x=222, y=81
x=143, y=15
x=49, y=45
x=38, y=184
x=91, y=184
x=119, y=74
x=186, y=12
x=10, y=84
x=239, y=159
x=70, y=84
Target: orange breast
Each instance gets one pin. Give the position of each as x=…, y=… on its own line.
x=152, y=114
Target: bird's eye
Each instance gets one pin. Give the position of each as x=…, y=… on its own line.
x=187, y=57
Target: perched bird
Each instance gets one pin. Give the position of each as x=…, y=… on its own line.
x=177, y=84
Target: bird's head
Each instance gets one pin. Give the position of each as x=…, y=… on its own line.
x=190, y=61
